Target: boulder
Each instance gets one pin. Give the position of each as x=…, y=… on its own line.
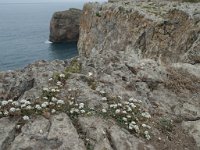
x=64, y=26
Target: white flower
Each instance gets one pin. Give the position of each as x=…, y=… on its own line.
x=18, y=109
x=59, y=83
x=76, y=110
x=38, y=107
x=41, y=131
x=130, y=127
x=29, y=107
x=136, y=128
x=53, y=99
x=146, y=132
x=113, y=105
x=90, y=74
x=18, y=127
x=27, y=103
x=82, y=111
x=53, y=90
x=45, y=98
x=102, y=92
x=45, y=104
x=124, y=119
x=57, y=90
x=26, y=118
x=62, y=75
x=53, y=111
x=72, y=111
x=147, y=136
x=12, y=109
x=22, y=101
x=45, y=89
x=132, y=105
x=117, y=111
x=71, y=102
x=81, y=105
x=129, y=109
x=50, y=79
x=124, y=112
x=3, y=103
x=1, y=113
x=104, y=99
x=119, y=97
x=15, y=103
x=119, y=104
x=61, y=102
x=51, y=103
x=69, y=90
x=23, y=105
x=131, y=99
x=146, y=126
x=6, y=113
x=128, y=116
x=133, y=122
x=10, y=101
x=104, y=110
x=126, y=103
x=146, y=115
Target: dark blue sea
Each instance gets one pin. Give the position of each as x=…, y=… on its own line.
x=24, y=32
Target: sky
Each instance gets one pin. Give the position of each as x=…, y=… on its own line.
x=38, y=1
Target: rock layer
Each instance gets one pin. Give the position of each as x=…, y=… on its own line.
x=64, y=26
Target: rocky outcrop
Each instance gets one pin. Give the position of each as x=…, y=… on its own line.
x=135, y=84
x=166, y=32
x=64, y=26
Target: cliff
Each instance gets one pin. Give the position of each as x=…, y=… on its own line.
x=135, y=84
x=64, y=26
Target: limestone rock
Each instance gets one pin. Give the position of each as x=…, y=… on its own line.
x=63, y=131
x=7, y=132
x=64, y=26
x=193, y=127
x=33, y=136
x=107, y=135
x=28, y=82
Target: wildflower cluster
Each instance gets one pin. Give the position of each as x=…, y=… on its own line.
x=25, y=108
x=130, y=115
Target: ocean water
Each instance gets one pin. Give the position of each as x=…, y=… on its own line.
x=24, y=32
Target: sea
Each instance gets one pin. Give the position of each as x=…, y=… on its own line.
x=24, y=33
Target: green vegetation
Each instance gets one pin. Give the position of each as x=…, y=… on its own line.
x=166, y=125
x=98, y=14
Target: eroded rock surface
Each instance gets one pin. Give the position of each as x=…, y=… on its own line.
x=64, y=26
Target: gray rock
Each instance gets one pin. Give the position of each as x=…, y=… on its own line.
x=7, y=132
x=33, y=136
x=64, y=26
x=63, y=131
x=107, y=135
x=193, y=127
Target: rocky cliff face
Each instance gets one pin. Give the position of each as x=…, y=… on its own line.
x=135, y=85
x=64, y=26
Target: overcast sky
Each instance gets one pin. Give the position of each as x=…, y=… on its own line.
x=37, y=1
